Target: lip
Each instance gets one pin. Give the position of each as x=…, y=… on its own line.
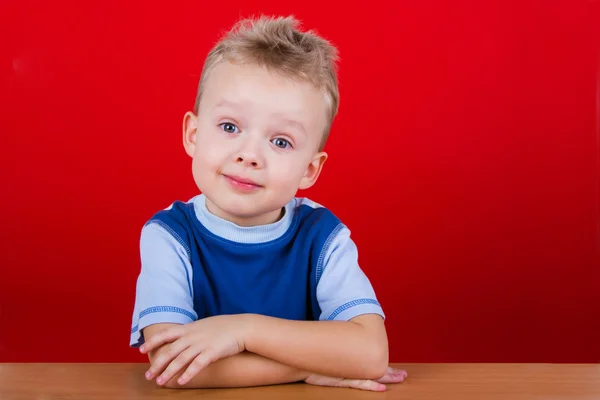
x=241, y=183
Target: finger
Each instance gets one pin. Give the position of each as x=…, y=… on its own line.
x=363, y=384
x=179, y=363
x=164, y=358
x=392, y=378
x=397, y=371
x=200, y=362
x=162, y=337
x=393, y=375
x=321, y=380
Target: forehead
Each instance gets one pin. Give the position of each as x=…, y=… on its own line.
x=262, y=91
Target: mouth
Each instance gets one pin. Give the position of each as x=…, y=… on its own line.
x=242, y=183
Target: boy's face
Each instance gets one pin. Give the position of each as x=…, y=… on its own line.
x=254, y=142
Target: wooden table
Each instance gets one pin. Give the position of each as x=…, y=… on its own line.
x=426, y=381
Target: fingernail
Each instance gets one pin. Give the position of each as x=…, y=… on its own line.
x=181, y=381
x=142, y=349
x=148, y=375
x=159, y=380
x=381, y=387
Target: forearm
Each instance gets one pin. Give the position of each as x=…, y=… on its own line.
x=332, y=348
x=242, y=370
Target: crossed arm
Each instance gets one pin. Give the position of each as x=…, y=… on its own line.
x=244, y=369
x=252, y=350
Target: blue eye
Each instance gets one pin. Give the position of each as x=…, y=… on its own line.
x=281, y=143
x=229, y=127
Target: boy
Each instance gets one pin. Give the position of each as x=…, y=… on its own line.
x=246, y=284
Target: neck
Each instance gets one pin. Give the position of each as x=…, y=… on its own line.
x=263, y=219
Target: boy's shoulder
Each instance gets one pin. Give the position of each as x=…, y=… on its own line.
x=178, y=212
x=308, y=209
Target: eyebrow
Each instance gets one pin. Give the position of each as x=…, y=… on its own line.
x=227, y=103
x=293, y=123
x=280, y=117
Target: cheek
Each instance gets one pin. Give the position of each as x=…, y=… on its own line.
x=205, y=168
x=289, y=174
x=209, y=154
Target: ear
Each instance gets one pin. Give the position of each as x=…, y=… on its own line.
x=190, y=126
x=313, y=171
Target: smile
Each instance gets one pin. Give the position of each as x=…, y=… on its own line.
x=242, y=183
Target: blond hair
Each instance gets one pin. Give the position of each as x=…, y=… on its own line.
x=277, y=43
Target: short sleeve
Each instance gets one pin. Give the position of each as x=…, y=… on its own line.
x=163, y=290
x=343, y=290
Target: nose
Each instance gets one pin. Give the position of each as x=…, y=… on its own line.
x=248, y=160
x=249, y=155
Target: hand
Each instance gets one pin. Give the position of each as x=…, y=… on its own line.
x=198, y=344
x=392, y=375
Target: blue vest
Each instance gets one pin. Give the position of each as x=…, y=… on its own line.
x=277, y=278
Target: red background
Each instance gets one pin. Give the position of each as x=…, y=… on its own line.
x=465, y=161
